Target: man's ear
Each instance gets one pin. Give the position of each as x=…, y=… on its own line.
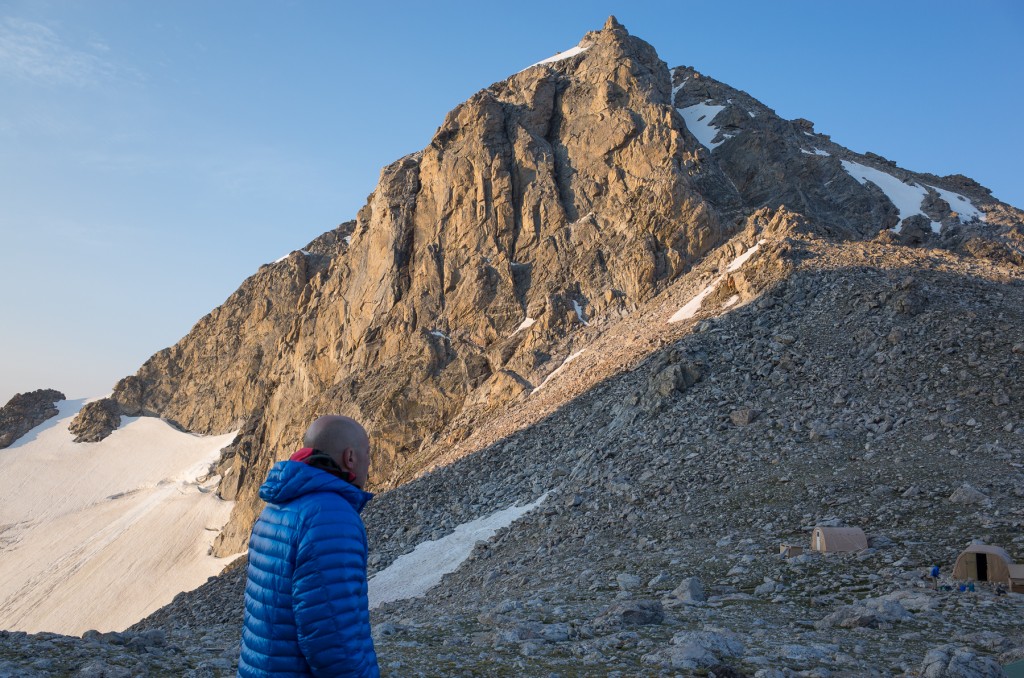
x=348, y=458
x=348, y=463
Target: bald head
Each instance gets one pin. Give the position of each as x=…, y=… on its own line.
x=345, y=441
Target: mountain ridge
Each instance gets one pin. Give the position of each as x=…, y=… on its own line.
x=505, y=217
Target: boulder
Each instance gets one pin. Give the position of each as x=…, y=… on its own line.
x=950, y=661
x=966, y=494
x=96, y=420
x=689, y=591
x=696, y=649
x=632, y=612
x=743, y=416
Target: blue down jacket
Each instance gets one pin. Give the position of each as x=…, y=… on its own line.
x=306, y=611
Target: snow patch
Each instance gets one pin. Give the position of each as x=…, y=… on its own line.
x=579, y=312
x=523, y=325
x=693, y=305
x=816, y=151
x=731, y=301
x=439, y=333
x=559, y=369
x=698, y=120
x=347, y=239
x=578, y=49
x=415, y=573
x=678, y=87
x=99, y=535
x=961, y=205
x=280, y=259
x=906, y=197
x=741, y=259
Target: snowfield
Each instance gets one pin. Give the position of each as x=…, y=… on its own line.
x=99, y=535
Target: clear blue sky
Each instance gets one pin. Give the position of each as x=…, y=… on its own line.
x=153, y=154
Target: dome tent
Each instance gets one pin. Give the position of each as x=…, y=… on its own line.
x=982, y=562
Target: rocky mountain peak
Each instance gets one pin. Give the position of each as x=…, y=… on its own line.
x=545, y=210
x=612, y=24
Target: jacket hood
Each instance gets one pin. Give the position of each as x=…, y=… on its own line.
x=289, y=480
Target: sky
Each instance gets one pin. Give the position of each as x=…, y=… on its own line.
x=155, y=154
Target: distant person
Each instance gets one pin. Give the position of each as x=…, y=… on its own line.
x=306, y=608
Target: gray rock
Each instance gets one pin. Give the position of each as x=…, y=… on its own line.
x=100, y=669
x=633, y=612
x=868, y=613
x=661, y=582
x=695, y=649
x=950, y=661
x=627, y=581
x=743, y=416
x=689, y=591
x=25, y=411
x=96, y=420
x=966, y=494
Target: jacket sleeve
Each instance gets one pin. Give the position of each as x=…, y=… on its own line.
x=329, y=595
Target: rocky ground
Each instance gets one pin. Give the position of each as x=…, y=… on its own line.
x=865, y=384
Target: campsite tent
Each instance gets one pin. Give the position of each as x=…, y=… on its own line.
x=838, y=539
x=981, y=562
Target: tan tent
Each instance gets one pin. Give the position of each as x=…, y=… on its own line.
x=838, y=539
x=1016, y=578
x=981, y=562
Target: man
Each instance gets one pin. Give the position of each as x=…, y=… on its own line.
x=306, y=610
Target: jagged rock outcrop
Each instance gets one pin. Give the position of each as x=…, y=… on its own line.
x=549, y=204
x=25, y=411
x=96, y=420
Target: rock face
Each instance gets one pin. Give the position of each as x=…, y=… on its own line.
x=774, y=162
x=25, y=411
x=547, y=208
x=96, y=420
